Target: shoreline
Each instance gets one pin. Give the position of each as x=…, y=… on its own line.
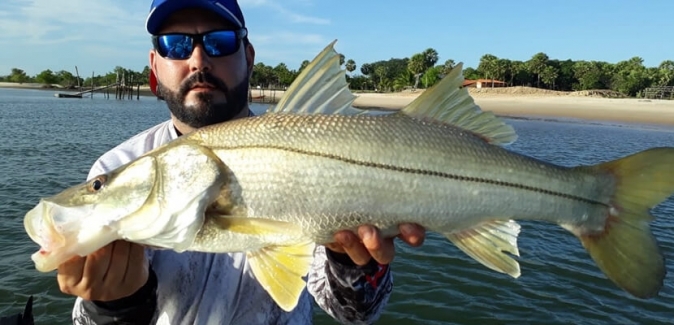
x=505, y=102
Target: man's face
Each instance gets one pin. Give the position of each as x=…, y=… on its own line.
x=202, y=90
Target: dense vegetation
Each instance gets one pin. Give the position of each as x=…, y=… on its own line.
x=629, y=77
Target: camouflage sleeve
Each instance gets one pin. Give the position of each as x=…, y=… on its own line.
x=349, y=293
x=138, y=308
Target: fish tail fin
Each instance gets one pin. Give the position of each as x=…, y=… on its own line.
x=626, y=250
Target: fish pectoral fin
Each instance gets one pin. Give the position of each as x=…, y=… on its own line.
x=256, y=226
x=280, y=271
x=488, y=244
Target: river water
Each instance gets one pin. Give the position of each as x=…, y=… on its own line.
x=49, y=144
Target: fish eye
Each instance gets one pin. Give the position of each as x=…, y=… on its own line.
x=97, y=183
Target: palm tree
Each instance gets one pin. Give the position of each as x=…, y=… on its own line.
x=488, y=67
x=350, y=65
x=537, y=64
x=417, y=65
x=666, y=72
x=448, y=66
x=549, y=75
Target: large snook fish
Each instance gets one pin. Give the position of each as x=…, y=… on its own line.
x=277, y=184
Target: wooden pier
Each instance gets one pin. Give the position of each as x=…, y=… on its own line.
x=262, y=95
x=662, y=92
x=123, y=89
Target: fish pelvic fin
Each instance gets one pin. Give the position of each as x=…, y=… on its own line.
x=488, y=244
x=280, y=271
x=282, y=262
x=320, y=88
x=449, y=102
x=626, y=250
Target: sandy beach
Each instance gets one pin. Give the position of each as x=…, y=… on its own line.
x=512, y=102
x=547, y=105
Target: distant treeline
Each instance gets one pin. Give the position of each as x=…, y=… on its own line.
x=629, y=77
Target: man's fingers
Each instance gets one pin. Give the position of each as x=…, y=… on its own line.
x=382, y=250
x=412, y=234
x=352, y=246
x=96, y=266
x=138, y=266
x=119, y=258
x=69, y=274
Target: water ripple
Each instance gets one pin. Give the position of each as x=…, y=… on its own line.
x=49, y=144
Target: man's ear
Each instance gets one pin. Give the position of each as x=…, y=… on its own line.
x=153, y=61
x=250, y=58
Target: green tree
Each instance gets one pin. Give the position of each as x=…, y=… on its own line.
x=430, y=58
x=303, y=65
x=284, y=76
x=448, y=66
x=417, y=65
x=519, y=74
x=666, y=73
x=537, y=64
x=549, y=75
x=470, y=73
x=382, y=81
x=341, y=59
x=66, y=78
x=431, y=76
x=366, y=69
x=18, y=75
x=630, y=76
x=403, y=80
x=350, y=66
x=488, y=67
x=263, y=75
x=46, y=77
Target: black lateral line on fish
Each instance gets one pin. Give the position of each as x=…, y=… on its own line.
x=424, y=172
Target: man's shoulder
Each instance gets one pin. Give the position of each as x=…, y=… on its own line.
x=133, y=148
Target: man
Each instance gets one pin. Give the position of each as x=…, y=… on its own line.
x=204, y=80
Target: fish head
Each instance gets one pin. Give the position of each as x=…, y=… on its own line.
x=83, y=218
x=157, y=200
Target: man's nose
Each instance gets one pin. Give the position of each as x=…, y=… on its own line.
x=200, y=61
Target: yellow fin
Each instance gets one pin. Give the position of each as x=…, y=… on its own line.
x=487, y=243
x=626, y=251
x=320, y=88
x=257, y=226
x=449, y=102
x=280, y=271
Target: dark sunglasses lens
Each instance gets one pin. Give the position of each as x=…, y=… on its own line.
x=174, y=46
x=221, y=43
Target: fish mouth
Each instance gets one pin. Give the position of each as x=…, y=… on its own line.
x=41, y=227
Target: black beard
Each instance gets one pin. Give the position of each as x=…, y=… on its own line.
x=205, y=112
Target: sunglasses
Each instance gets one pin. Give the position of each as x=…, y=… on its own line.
x=217, y=43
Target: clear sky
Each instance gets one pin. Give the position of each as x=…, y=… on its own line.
x=97, y=35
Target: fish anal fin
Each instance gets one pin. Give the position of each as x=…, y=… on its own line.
x=488, y=244
x=280, y=271
x=449, y=102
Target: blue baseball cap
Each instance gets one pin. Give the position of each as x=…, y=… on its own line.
x=162, y=9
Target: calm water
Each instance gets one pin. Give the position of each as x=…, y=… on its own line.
x=49, y=144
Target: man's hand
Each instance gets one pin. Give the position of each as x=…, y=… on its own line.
x=113, y=272
x=368, y=243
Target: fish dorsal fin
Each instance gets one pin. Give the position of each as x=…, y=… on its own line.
x=320, y=88
x=449, y=102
